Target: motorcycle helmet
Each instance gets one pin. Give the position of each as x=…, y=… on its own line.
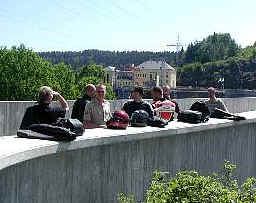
x=139, y=118
x=164, y=109
x=118, y=120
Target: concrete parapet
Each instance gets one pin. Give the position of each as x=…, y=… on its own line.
x=103, y=162
x=11, y=112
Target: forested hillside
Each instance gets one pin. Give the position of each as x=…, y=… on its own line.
x=106, y=58
x=218, y=61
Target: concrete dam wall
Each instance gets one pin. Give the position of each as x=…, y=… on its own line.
x=98, y=165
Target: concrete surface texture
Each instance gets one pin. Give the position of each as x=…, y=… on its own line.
x=103, y=162
x=11, y=112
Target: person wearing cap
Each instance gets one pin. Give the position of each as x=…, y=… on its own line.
x=97, y=112
x=79, y=105
x=137, y=103
x=166, y=95
x=45, y=111
x=214, y=102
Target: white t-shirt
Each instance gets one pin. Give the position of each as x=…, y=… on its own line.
x=218, y=103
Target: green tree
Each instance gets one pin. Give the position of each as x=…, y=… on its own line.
x=22, y=73
x=212, y=48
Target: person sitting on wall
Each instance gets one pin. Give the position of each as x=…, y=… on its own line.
x=157, y=94
x=166, y=95
x=163, y=108
x=97, y=112
x=137, y=103
x=79, y=105
x=214, y=102
x=45, y=111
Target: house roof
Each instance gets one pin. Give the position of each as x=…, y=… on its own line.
x=155, y=65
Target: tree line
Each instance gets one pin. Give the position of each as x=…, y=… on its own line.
x=23, y=72
x=118, y=59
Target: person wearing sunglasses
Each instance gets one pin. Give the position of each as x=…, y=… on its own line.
x=97, y=112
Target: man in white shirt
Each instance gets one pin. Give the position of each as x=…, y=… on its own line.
x=97, y=112
x=214, y=102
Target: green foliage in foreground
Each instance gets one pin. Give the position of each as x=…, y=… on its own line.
x=190, y=187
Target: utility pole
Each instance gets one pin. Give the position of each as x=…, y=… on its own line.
x=178, y=45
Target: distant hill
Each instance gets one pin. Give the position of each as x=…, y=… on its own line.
x=106, y=58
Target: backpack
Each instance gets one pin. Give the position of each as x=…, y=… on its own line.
x=47, y=132
x=201, y=107
x=189, y=116
x=74, y=125
x=62, y=130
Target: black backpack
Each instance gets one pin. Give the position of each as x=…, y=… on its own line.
x=189, y=116
x=74, y=125
x=62, y=130
x=198, y=113
x=201, y=107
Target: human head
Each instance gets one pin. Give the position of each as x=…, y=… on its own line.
x=166, y=91
x=100, y=92
x=211, y=92
x=157, y=93
x=90, y=90
x=137, y=94
x=45, y=95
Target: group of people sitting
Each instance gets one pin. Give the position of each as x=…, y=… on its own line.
x=93, y=110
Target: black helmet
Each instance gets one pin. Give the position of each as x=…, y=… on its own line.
x=139, y=118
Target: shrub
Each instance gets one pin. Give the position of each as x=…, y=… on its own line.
x=190, y=187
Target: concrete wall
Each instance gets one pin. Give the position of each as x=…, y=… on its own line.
x=102, y=162
x=11, y=112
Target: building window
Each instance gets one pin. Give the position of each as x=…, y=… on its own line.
x=166, y=75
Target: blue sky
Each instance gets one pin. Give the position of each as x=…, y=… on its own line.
x=124, y=24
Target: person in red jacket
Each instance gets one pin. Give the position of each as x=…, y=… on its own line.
x=166, y=95
x=163, y=108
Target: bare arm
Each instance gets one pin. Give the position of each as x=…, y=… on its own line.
x=61, y=100
x=223, y=106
